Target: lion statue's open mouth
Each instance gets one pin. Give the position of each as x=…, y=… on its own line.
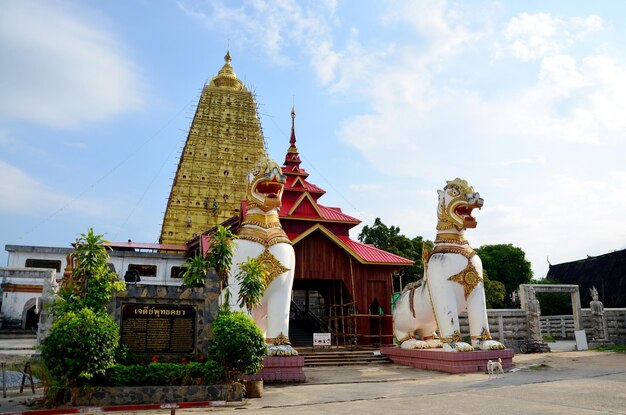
x=265, y=185
x=269, y=189
x=457, y=200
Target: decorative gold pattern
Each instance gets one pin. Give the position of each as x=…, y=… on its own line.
x=273, y=265
x=466, y=250
x=469, y=278
x=450, y=238
x=279, y=340
x=484, y=336
x=456, y=337
x=405, y=338
x=265, y=237
x=264, y=221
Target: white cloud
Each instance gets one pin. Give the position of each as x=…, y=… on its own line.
x=274, y=27
x=65, y=70
x=22, y=194
x=444, y=25
x=533, y=36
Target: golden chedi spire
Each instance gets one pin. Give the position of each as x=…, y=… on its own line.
x=226, y=77
x=224, y=142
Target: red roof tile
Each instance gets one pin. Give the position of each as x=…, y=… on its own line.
x=371, y=254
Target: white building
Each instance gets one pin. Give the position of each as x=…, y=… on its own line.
x=28, y=266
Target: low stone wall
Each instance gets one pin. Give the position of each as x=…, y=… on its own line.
x=127, y=395
x=504, y=324
x=562, y=327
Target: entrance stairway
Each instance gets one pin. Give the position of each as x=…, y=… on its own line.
x=341, y=357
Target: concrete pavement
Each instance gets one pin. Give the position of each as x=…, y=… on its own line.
x=567, y=382
x=553, y=383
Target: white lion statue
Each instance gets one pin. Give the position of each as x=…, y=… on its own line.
x=426, y=314
x=261, y=236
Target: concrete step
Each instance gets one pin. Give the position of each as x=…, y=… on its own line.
x=342, y=357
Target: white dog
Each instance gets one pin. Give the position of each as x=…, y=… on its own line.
x=495, y=368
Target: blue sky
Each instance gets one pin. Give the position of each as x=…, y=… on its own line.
x=525, y=100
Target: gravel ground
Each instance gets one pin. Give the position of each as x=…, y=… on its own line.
x=14, y=379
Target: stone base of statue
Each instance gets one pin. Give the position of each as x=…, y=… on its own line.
x=281, y=369
x=440, y=361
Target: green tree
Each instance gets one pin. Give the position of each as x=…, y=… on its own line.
x=84, y=338
x=389, y=239
x=494, y=292
x=91, y=283
x=507, y=264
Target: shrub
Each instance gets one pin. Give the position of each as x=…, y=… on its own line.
x=238, y=345
x=81, y=345
x=162, y=374
x=252, y=279
x=195, y=271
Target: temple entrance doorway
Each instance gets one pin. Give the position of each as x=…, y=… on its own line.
x=321, y=306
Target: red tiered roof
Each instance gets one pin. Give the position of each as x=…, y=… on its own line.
x=301, y=214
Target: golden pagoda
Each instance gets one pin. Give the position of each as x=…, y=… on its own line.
x=224, y=142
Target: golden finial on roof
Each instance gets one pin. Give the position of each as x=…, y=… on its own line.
x=226, y=77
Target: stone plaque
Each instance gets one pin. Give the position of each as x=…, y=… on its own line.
x=159, y=328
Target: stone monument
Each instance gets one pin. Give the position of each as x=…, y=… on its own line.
x=597, y=314
x=533, y=314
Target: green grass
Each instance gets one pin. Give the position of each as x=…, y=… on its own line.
x=618, y=349
x=540, y=367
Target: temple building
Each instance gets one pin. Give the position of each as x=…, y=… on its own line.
x=224, y=141
x=340, y=285
x=607, y=273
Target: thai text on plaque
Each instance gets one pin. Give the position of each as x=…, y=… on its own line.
x=159, y=328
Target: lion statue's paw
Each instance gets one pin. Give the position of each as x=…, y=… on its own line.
x=457, y=347
x=434, y=343
x=281, y=350
x=487, y=344
x=414, y=344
